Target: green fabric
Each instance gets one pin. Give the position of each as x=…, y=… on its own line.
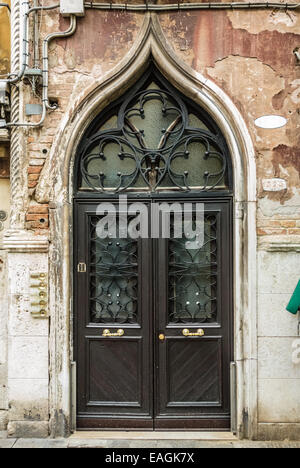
x=294, y=304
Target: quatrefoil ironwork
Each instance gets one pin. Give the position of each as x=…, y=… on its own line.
x=150, y=154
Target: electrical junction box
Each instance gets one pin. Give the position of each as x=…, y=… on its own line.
x=72, y=7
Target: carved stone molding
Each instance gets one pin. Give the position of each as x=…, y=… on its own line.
x=279, y=243
x=15, y=241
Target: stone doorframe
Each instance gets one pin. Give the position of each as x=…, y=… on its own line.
x=56, y=187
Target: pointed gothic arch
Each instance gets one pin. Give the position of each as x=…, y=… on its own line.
x=60, y=165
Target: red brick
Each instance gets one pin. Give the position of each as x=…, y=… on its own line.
x=32, y=177
x=34, y=169
x=294, y=231
x=38, y=209
x=36, y=225
x=36, y=217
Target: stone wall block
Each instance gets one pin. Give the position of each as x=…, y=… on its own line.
x=275, y=359
x=3, y=336
x=28, y=357
x=279, y=400
x=3, y=420
x=22, y=323
x=278, y=272
x=28, y=430
x=278, y=431
x=20, y=266
x=28, y=400
x=273, y=318
x=28, y=374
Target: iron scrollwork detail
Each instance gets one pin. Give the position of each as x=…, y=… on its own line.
x=152, y=163
x=193, y=278
x=113, y=278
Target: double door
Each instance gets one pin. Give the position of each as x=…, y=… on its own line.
x=153, y=324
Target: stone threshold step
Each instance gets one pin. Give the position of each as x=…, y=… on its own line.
x=130, y=435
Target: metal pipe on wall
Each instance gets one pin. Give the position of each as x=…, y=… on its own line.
x=18, y=76
x=36, y=37
x=191, y=6
x=5, y=5
x=45, y=99
x=108, y=6
x=45, y=71
x=57, y=35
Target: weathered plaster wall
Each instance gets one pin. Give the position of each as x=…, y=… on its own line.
x=250, y=56
x=28, y=375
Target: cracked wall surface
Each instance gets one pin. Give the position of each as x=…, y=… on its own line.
x=249, y=55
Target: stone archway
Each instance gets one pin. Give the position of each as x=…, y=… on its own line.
x=56, y=187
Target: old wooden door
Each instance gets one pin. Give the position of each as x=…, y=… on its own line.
x=152, y=316
x=153, y=327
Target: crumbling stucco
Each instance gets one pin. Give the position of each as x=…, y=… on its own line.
x=276, y=20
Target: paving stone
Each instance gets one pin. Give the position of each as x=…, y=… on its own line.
x=150, y=444
x=7, y=443
x=41, y=443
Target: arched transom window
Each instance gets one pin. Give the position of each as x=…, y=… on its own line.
x=153, y=139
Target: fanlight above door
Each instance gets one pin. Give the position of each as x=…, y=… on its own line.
x=154, y=139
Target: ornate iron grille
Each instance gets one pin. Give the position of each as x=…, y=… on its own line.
x=113, y=278
x=154, y=139
x=193, y=278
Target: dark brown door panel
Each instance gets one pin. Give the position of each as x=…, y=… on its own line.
x=194, y=373
x=109, y=363
x=153, y=327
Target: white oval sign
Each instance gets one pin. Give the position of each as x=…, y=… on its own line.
x=271, y=121
x=274, y=185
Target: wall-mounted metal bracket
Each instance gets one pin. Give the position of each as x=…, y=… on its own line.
x=33, y=72
x=33, y=109
x=39, y=295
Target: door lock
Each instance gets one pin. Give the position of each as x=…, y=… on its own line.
x=162, y=337
x=81, y=267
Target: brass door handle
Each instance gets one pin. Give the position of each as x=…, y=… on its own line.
x=186, y=332
x=107, y=333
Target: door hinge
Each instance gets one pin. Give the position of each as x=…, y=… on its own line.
x=81, y=268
